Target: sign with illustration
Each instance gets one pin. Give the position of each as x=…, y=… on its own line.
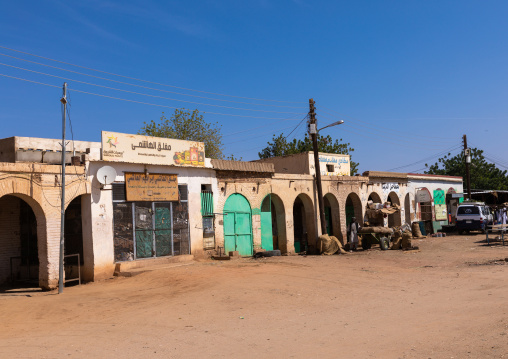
x=334, y=165
x=120, y=147
x=151, y=187
x=390, y=187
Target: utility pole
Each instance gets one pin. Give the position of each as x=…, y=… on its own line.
x=467, y=157
x=313, y=135
x=63, y=100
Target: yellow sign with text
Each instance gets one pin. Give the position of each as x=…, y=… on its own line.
x=121, y=147
x=151, y=187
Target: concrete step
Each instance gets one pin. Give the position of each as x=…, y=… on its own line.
x=132, y=268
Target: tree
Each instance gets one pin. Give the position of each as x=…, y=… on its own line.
x=190, y=126
x=280, y=147
x=484, y=175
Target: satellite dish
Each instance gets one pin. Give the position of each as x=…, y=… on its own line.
x=106, y=175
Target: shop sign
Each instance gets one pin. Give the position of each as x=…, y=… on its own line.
x=390, y=187
x=120, y=147
x=422, y=196
x=334, y=165
x=151, y=187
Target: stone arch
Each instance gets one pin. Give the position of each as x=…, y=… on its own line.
x=353, y=208
x=40, y=231
x=395, y=218
x=332, y=215
x=304, y=224
x=278, y=221
x=375, y=197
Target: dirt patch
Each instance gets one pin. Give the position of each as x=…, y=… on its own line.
x=431, y=303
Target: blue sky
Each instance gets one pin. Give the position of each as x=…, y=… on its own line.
x=409, y=78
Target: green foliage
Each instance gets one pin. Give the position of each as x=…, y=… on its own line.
x=190, y=126
x=280, y=147
x=232, y=157
x=484, y=175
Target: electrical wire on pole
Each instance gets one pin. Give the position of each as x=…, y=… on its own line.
x=63, y=100
x=313, y=134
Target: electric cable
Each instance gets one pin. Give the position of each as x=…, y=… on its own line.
x=165, y=106
x=35, y=82
x=143, y=94
x=303, y=119
x=141, y=80
x=342, y=116
x=418, y=140
x=394, y=143
x=427, y=158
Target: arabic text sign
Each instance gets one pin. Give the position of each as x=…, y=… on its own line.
x=390, y=187
x=334, y=165
x=120, y=147
x=151, y=187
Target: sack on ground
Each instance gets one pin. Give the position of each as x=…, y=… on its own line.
x=416, y=230
x=406, y=240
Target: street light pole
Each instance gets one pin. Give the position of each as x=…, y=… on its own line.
x=313, y=134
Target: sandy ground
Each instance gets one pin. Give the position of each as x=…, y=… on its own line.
x=448, y=300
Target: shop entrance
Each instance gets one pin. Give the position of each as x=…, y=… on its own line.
x=238, y=225
x=153, y=229
x=19, y=258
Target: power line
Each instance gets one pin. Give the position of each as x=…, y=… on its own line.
x=395, y=143
x=378, y=128
x=146, y=81
x=303, y=119
x=391, y=132
x=143, y=94
x=145, y=87
x=35, y=82
x=157, y=105
x=254, y=137
x=427, y=158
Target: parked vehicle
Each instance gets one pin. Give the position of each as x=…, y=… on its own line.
x=473, y=216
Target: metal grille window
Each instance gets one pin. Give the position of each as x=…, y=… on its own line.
x=208, y=216
x=118, y=191
x=150, y=229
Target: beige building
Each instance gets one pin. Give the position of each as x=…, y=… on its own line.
x=164, y=199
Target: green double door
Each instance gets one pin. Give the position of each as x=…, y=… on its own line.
x=153, y=229
x=266, y=224
x=238, y=225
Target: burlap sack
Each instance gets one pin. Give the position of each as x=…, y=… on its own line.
x=382, y=230
x=406, y=240
x=397, y=240
x=330, y=245
x=415, y=227
x=339, y=243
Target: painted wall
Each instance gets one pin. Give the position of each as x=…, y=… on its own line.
x=102, y=207
x=431, y=183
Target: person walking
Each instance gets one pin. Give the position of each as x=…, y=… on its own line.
x=353, y=234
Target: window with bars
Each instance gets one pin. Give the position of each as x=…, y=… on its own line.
x=165, y=229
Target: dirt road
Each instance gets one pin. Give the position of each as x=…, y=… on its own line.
x=448, y=300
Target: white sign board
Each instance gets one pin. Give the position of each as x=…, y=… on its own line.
x=390, y=187
x=334, y=165
x=120, y=147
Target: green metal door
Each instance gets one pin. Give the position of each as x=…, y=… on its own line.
x=238, y=225
x=266, y=224
x=163, y=229
x=350, y=213
x=144, y=233
x=328, y=218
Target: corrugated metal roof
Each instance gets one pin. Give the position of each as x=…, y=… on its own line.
x=225, y=165
x=384, y=174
